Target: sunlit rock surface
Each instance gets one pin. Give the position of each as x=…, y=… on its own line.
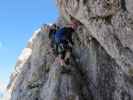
x=102, y=63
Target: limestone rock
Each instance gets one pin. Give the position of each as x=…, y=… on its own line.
x=101, y=67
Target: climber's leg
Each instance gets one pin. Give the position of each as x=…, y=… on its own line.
x=68, y=54
x=67, y=57
x=55, y=49
x=61, y=55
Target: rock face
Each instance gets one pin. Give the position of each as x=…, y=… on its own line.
x=102, y=63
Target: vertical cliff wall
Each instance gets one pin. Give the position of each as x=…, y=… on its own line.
x=102, y=64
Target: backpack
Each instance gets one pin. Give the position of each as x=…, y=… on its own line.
x=59, y=35
x=63, y=34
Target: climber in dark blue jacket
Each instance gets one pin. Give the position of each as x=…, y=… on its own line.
x=63, y=40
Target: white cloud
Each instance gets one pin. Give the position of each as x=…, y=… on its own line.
x=2, y=87
x=0, y=44
x=4, y=92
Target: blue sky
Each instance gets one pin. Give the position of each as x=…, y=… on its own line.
x=18, y=19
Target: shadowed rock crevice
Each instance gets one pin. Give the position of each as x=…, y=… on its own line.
x=123, y=5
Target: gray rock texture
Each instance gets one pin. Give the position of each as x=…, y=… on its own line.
x=101, y=67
